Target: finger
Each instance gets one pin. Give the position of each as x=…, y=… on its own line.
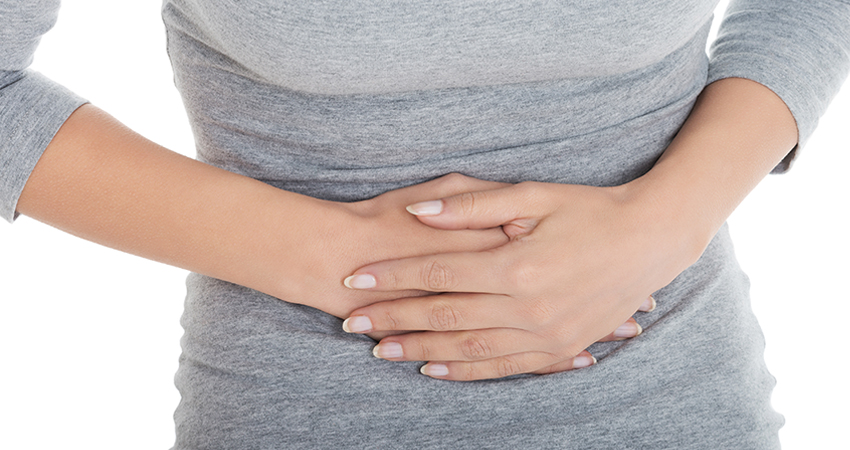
x=445, y=186
x=501, y=367
x=473, y=345
x=481, y=209
x=454, y=312
x=456, y=183
x=648, y=305
x=447, y=272
x=582, y=360
x=627, y=330
x=445, y=312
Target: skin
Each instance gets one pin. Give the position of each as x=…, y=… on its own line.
x=101, y=181
x=503, y=311
x=494, y=244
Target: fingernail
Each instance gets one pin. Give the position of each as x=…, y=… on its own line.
x=434, y=370
x=360, y=282
x=583, y=361
x=357, y=324
x=627, y=330
x=648, y=304
x=429, y=208
x=386, y=350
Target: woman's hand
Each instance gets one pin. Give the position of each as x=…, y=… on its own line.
x=580, y=261
x=103, y=182
x=373, y=230
x=380, y=229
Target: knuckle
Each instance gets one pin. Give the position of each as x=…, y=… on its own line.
x=475, y=347
x=564, y=341
x=466, y=203
x=506, y=367
x=436, y=276
x=469, y=372
x=424, y=353
x=528, y=192
x=525, y=188
x=444, y=317
x=390, y=320
x=528, y=188
x=392, y=279
x=454, y=180
x=569, y=349
x=525, y=273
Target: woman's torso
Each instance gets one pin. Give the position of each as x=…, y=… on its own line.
x=346, y=100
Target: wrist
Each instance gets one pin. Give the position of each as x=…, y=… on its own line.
x=300, y=257
x=672, y=215
x=736, y=133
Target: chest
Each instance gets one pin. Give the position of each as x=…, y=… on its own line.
x=366, y=46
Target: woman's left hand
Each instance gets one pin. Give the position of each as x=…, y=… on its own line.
x=580, y=261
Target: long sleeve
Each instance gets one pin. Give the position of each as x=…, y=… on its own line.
x=32, y=107
x=797, y=48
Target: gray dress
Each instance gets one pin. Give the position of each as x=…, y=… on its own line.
x=344, y=100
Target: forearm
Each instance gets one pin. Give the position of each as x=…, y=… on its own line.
x=736, y=134
x=102, y=182
x=582, y=259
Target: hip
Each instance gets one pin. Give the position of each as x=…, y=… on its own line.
x=258, y=372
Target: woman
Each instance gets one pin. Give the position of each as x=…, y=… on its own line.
x=535, y=382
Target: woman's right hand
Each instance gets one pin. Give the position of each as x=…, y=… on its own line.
x=354, y=234
x=102, y=182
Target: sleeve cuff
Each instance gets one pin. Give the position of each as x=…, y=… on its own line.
x=796, y=95
x=32, y=110
x=799, y=51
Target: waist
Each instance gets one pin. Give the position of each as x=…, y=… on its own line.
x=247, y=357
x=599, y=131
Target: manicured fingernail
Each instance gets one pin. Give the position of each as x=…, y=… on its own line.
x=360, y=282
x=357, y=324
x=648, y=304
x=583, y=361
x=434, y=370
x=387, y=350
x=627, y=330
x=429, y=208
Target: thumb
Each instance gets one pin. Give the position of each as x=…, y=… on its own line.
x=474, y=210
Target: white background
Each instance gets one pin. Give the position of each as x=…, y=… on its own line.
x=89, y=337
